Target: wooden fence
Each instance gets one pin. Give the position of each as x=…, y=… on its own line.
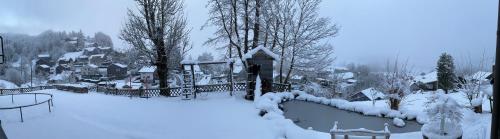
x=177, y=91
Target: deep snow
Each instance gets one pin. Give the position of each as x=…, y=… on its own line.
x=218, y=116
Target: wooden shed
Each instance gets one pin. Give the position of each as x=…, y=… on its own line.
x=260, y=62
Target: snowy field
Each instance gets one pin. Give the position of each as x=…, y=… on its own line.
x=218, y=116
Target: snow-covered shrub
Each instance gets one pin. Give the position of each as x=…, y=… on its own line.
x=445, y=117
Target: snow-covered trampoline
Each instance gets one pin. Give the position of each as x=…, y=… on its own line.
x=23, y=100
x=322, y=117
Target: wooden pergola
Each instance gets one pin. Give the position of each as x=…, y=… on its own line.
x=193, y=79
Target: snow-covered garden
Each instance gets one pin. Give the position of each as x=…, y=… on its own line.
x=218, y=115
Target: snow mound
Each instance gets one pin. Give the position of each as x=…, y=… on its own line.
x=7, y=85
x=398, y=122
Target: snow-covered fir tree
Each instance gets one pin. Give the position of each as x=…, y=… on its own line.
x=446, y=72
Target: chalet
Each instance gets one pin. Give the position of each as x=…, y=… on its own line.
x=369, y=94
x=69, y=58
x=482, y=77
x=43, y=70
x=425, y=82
x=148, y=74
x=90, y=71
x=44, y=59
x=90, y=51
x=82, y=59
x=97, y=59
x=62, y=67
x=117, y=71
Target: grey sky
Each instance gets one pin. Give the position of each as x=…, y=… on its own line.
x=372, y=30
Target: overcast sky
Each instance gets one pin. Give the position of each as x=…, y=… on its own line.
x=371, y=30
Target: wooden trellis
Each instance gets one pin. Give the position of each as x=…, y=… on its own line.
x=189, y=76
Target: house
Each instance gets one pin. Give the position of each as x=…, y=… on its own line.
x=44, y=59
x=117, y=71
x=69, y=58
x=90, y=51
x=82, y=59
x=148, y=74
x=425, y=82
x=369, y=94
x=61, y=68
x=482, y=77
x=97, y=59
x=43, y=70
x=90, y=71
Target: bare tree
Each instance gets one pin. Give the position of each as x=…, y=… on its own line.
x=302, y=30
x=158, y=31
x=292, y=28
x=471, y=81
x=395, y=83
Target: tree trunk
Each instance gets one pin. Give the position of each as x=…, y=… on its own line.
x=478, y=109
x=162, y=67
x=256, y=28
x=394, y=103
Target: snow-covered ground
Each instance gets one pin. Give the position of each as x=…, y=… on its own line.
x=218, y=116
x=7, y=85
x=101, y=116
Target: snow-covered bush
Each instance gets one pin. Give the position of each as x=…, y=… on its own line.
x=445, y=117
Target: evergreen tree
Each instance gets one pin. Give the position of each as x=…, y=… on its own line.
x=446, y=72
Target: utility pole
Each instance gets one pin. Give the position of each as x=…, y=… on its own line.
x=31, y=73
x=496, y=86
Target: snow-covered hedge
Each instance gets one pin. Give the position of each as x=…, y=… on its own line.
x=269, y=104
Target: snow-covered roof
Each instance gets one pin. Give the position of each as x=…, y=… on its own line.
x=373, y=94
x=43, y=55
x=89, y=48
x=83, y=56
x=71, y=55
x=297, y=77
x=480, y=75
x=120, y=65
x=252, y=52
x=104, y=48
x=351, y=80
x=93, y=66
x=186, y=61
x=98, y=55
x=147, y=69
x=44, y=66
x=427, y=78
x=346, y=75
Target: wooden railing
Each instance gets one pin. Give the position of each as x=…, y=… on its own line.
x=360, y=132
